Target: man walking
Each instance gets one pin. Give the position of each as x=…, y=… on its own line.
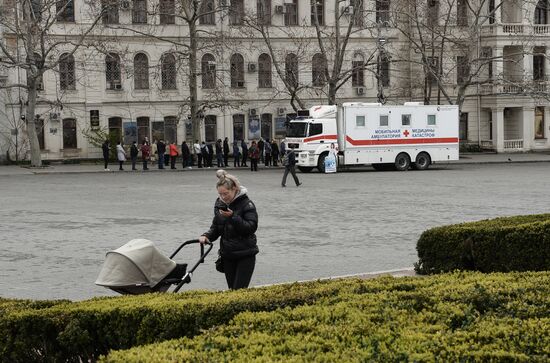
x=289, y=162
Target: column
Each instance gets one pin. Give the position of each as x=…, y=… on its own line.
x=498, y=128
x=528, y=118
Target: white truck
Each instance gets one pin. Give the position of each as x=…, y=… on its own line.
x=402, y=136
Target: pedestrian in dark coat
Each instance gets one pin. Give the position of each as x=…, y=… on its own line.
x=161, y=149
x=145, y=154
x=134, y=151
x=254, y=153
x=185, y=155
x=244, y=148
x=204, y=153
x=236, y=155
x=235, y=221
x=210, y=149
x=226, y=151
x=106, y=148
x=219, y=153
x=261, y=148
x=267, y=149
x=290, y=168
x=274, y=152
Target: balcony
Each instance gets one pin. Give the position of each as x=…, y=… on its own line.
x=517, y=88
x=516, y=29
x=509, y=145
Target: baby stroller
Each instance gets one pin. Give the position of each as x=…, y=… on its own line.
x=138, y=267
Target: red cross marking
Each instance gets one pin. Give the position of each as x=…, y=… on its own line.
x=406, y=133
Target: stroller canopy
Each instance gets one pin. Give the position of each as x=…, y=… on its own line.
x=138, y=262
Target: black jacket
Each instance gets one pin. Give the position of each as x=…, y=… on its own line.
x=134, y=151
x=291, y=158
x=161, y=147
x=238, y=232
x=185, y=152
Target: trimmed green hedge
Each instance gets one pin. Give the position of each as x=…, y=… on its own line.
x=520, y=243
x=459, y=317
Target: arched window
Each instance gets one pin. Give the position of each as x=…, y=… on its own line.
x=541, y=12
x=167, y=10
x=210, y=128
x=317, y=12
x=143, y=128
x=237, y=71
x=109, y=11
x=66, y=72
x=264, y=71
x=208, y=71
x=141, y=71
x=115, y=128
x=383, y=12
x=208, y=16
x=139, y=12
x=358, y=71
x=171, y=129
x=69, y=134
x=318, y=65
x=168, y=71
x=112, y=71
x=263, y=12
x=64, y=10
x=291, y=69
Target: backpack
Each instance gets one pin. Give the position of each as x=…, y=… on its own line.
x=285, y=160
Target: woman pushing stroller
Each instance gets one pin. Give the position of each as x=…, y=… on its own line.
x=235, y=221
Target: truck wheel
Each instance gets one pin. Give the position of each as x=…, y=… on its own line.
x=321, y=162
x=402, y=162
x=305, y=169
x=422, y=161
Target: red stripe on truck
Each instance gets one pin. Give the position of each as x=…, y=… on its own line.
x=320, y=137
x=420, y=140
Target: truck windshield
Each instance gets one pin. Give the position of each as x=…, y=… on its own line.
x=296, y=129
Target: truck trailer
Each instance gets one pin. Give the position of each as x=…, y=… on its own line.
x=397, y=136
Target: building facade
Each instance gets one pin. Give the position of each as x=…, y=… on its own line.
x=130, y=78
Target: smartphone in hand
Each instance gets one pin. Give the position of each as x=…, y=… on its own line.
x=224, y=208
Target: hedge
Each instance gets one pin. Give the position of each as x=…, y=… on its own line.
x=60, y=331
x=520, y=243
x=459, y=317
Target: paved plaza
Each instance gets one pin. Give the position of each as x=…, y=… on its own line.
x=57, y=226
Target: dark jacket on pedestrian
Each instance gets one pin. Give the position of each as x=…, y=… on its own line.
x=218, y=148
x=105, y=148
x=274, y=149
x=238, y=232
x=291, y=158
x=134, y=151
x=244, y=147
x=185, y=152
x=226, y=146
x=161, y=147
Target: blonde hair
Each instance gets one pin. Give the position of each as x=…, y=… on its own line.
x=227, y=180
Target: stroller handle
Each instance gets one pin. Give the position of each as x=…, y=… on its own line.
x=187, y=277
x=193, y=241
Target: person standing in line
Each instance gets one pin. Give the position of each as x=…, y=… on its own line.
x=161, y=149
x=121, y=155
x=198, y=153
x=145, y=153
x=226, y=151
x=274, y=152
x=267, y=156
x=235, y=221
x=185, y=155
x=261, y=149
x=236, y=155
x=106, y=148
x=210, y=149
x=282, y=149
x=173, y=151
x=219, y=153
x=154, y=151
x=134, y=151
x=254, y=153
x=290, y=167
x=244, y=148
x=204, y=153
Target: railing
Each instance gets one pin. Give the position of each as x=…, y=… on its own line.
x=487, y=145
x=513, y=144
x=527, y=29
x=511, y=88
x=512, y=28
x=541, y=29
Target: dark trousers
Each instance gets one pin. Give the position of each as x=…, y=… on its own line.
x=253, y=164
x=225, y=158
x=245, y=158
x=199, y=160
x=239, y=272
x=120, y=162
x=173, y=162
x=292, y=171
x=267, y=159
x=134, y=159
x=161, y=161
x=219, y=160
x=236, y=161
x=106, y=162
x=275, y=158
x=145, y=164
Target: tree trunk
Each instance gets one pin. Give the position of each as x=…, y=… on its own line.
x=36, y=159
x=331, y=93
x=193, y=98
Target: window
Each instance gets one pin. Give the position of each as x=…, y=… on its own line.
x=210, y=128
x=112, y=70
x=115, y=129
x=263, y=12
x=64, y=10
x=383, y=69
x=208, y=70
x=35, y=10
x=291, y=69
x=142, y=128
x=318, y=70
x=383, y=12
x=141, y=71
x=358, y=15
x=433, y=13
x=109, y=11
x=168, y=71
x=360, y=121
x=291, y=13
x=315, y=129
x=462, y=13
x=69, y=133
x=406, y=120
x=157, y=132
x=463, y=126
x=170, y=129
x=432, y=70
x=384, y=120
x=66, y=72
x=462, y=70
x=39, y=125
x=238, y=127
x=94, y=119
x=539, y=122
x=266, y=125
x=167, y=10
x=358, y=72
x=317, y=12
x=208, y=16
x=431, y=120
x=139, y=12
x=236, y=12
x=538, y=63
x=264, y=71
x=237, y=71
x=486, y=58
x=491, y=11
x=541, y=12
